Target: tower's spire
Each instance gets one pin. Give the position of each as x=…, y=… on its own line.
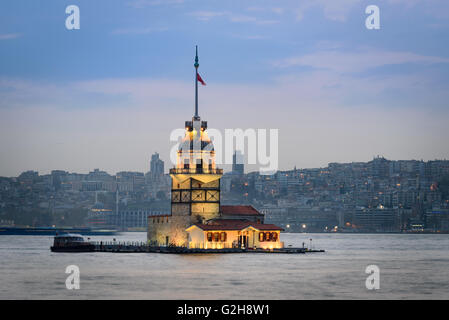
x=196, y=65
x=196, y=57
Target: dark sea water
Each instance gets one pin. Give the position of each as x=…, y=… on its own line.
x=411, y=267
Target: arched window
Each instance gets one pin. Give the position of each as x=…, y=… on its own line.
x=223, y=237
x=209, y=236
x=267, y=236
x=216, y=236
x=261, y=237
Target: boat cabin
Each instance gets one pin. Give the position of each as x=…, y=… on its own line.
x=68, y=238
x=71, y=243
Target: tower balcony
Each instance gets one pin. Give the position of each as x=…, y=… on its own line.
x=195, y=171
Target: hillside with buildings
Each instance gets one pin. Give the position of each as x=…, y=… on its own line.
x=376, y=196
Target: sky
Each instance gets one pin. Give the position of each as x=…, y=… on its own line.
x=109, y=94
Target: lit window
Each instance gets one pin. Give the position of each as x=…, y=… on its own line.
x=223, y=237
x=267, y=236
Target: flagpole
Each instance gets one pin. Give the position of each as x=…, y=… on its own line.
x=196, y=83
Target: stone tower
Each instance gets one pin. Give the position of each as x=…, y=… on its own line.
x=195, y=180
x=195, y=190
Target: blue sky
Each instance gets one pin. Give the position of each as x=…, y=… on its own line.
x=109, y=94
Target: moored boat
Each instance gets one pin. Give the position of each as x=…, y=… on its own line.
x=71, y=243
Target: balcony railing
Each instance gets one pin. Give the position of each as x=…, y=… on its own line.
x=196, y=171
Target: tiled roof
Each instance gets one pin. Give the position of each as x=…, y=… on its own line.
x=262, y=226
x=228, y=224
x=239, y=210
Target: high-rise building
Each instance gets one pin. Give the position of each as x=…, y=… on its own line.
x=156, y=167
x=238, y=163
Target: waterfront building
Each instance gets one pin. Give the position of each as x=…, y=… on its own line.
x=99, y=216
x=437, y=219
x=136, y=219
x=222, y=234
x=378, y=219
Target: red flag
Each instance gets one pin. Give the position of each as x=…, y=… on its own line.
x=200, y=80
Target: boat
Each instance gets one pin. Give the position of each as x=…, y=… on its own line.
x=69, y=242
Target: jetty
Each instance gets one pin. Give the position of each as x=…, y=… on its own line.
x=142, y=247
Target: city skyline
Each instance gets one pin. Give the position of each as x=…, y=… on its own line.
x=228, y=168
x=379, y=195
x=105, y=96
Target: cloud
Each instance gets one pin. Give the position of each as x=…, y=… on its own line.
x=245, y=18
x=8, y=36
x=276, y=10
x=323, y=116
x=137, y=31
x=339, y=10
x=333, y=10
x=139, y=4
x=208, y=15
x=231, y=17
x=249, y=37
x=357, y=61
